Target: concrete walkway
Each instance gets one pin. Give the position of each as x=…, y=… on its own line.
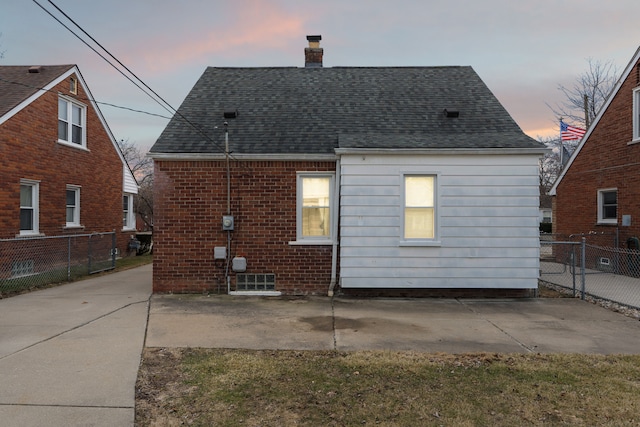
x=69, y=355
x=426, y=325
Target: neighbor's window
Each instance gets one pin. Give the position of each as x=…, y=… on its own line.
x=128, y=218
x=419, y=207
x=636, y=114
x=73, y=206
x=71, y=119
x=29, y=207
x=314, y=205
x=608, y=206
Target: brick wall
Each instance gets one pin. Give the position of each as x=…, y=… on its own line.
x=29, y=150
x=190, y=198
x=607, y=160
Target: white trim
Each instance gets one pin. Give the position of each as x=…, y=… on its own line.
x=76, y=213
x=636, y=115
x=15, y=110
x=603, y=109
x=35, y=201
x=237, y=156
x=256, y=293
x=131, y=216
x=320, y=240
x=601, y=220
x=435, y=240
x=443, y=151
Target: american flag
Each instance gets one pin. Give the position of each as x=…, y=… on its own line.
x=569, y=133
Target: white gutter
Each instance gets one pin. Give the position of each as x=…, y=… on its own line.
x=334, y=226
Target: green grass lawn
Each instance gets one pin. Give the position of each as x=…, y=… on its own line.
x=291, y=388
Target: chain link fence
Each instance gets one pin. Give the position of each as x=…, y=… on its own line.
x=27, y=263
x=606, y=273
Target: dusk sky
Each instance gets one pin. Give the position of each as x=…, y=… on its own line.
x=522, y=50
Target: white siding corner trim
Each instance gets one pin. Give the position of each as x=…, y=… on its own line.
x=486, y=214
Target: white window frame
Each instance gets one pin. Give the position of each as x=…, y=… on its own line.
x=128, y=216
x=435, y=240
x=314, y=240
x=76, y=207
x=70, y=103
x=601, y=218
x=35, y=207
x=636, y=114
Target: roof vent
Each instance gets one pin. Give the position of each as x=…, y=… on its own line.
x=35, y=69
x=451, y=113
x=313, y=53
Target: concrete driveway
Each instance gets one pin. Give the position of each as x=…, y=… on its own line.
x=426, y=325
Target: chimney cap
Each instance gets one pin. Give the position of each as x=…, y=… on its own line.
x=314, y=38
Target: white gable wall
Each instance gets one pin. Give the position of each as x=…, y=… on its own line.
x=487, y=217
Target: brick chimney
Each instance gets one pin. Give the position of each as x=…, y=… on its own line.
x=313, y=53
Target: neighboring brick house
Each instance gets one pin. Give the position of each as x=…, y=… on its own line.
x=370, y=180
x=61, y=169
x=598, y=192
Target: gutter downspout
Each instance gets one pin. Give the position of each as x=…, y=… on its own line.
x=334, y=225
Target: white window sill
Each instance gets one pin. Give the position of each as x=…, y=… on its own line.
x=605, y=222
x=311, y=242
x=74, y=226
x=420, y=243
x=36, y=234
x=129, y=229
x=73, y=145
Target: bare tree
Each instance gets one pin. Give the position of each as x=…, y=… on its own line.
x=550, y=164
x=142, y=168
x=592, y=86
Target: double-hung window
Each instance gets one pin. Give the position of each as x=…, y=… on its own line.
x=419, y=217
x=636, y=114
x=314, y=208
x=29, y=210
x=71, y=122
x=608, y=206
x=128, y=217
x=73, y=206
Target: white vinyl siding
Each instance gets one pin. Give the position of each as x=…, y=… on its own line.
x=486, y=213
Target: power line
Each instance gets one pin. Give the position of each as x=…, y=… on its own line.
x=157, y=97
x=88, y=99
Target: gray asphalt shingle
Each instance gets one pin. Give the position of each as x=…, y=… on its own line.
x=316, y=110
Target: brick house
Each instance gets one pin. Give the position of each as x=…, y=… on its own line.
x=598, y=192
x=373, y=180
x=61, y=169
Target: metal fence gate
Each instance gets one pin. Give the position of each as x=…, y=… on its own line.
x=30, y=262
x=611, y=274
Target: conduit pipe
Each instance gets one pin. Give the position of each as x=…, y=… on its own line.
x=334, y=231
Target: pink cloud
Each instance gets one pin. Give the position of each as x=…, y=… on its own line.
x=251, y=26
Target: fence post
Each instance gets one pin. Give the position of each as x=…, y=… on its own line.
x=69, y=259
x=573, y=268
x=113, y=249
x=89, y=250
x=583, y=248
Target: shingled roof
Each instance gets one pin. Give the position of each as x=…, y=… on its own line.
x=17, y=83
x=316, y=110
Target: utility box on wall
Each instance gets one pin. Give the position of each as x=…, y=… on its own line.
x=227, y=223
x=239, y=264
